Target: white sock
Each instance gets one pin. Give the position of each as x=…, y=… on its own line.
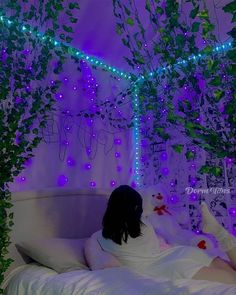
x=211, y=225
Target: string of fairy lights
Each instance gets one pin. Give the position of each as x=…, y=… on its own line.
x=133, y=78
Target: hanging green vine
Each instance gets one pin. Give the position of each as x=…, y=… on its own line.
x=197, y=96
x=26, y=96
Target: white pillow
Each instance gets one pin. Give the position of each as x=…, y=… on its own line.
x=62, y=255
x=96, y=257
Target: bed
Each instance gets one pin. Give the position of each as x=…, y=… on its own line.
x=72, y=215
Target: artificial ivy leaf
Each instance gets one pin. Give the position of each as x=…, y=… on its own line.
x=204, y=169
x=216, y=81
x=207, y=27
x=180, y=40
x=130, y=21
x=74, y=5
x=233, y=18
x=148, y=5
x=68, y=39
x=203, y=14
x=195, y=27
x=178, y=148
x=73, y=20
x=159, y=10
x=216, y=171
x=189, y=155
x=68, y=12
x=232, y=33
x=230, y=7
x=232, y=69
x=139, y=58
x=62, y=36
x=127, y=11
x=119, y=29
x=125, y=42
x=157, y=48
x=232, y=54
x=139, y=44
x=207, y=49
x=218, y=94
x=194, y=12
x=58, y=6
x=212, y=64
x=68, y=29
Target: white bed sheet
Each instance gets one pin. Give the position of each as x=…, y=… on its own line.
x=38, y=280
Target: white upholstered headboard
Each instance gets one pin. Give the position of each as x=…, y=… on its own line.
x=64, y=213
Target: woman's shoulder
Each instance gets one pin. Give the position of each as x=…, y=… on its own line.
x=97, y=234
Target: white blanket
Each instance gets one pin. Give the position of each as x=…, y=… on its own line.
x=39, y=280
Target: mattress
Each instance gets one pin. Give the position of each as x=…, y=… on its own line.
x=34, y=279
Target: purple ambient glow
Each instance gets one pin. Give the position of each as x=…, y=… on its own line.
x=117, y=141
x=92, y=184
x=165, y=171
x=88, y=166
x=70, y=161
x=18, y=100
x=174, y=199
x=62, y=180
x=119, y=168
x=112, y=183
x=58, y=96
x=194, y=197
x=164, y=156
x=22, y=179
x=65, y=142
x=232, y=212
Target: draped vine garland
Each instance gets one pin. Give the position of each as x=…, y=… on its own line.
x=164, y=95
x=197, y=96
x=26, y=97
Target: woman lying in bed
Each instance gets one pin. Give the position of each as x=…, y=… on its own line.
x=133, y=243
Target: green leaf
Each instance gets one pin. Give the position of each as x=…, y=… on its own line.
x=148, y=5
x=232, y=33
x=207, y=27
x=73, y=20
x=74, y=5
x=119, y=29
x=207, y=49
x=203, y=14
x=216, y=81
x=159, y=10
x=189, y=155
x=232, y=69
x=218, y=94
x=62, y=36
x=139, y=43
x=127, y=11
x=68, y=29
x=180, y=40
x=195, y=27
x=216, y=171
x=194, y=12
x=230, y=7
x=232, y=54
x=204, y=169
x=58, y=6
x=233, y=18
x=125, y=42
x=130, y=21
x=178, y=148
x=68, y=39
